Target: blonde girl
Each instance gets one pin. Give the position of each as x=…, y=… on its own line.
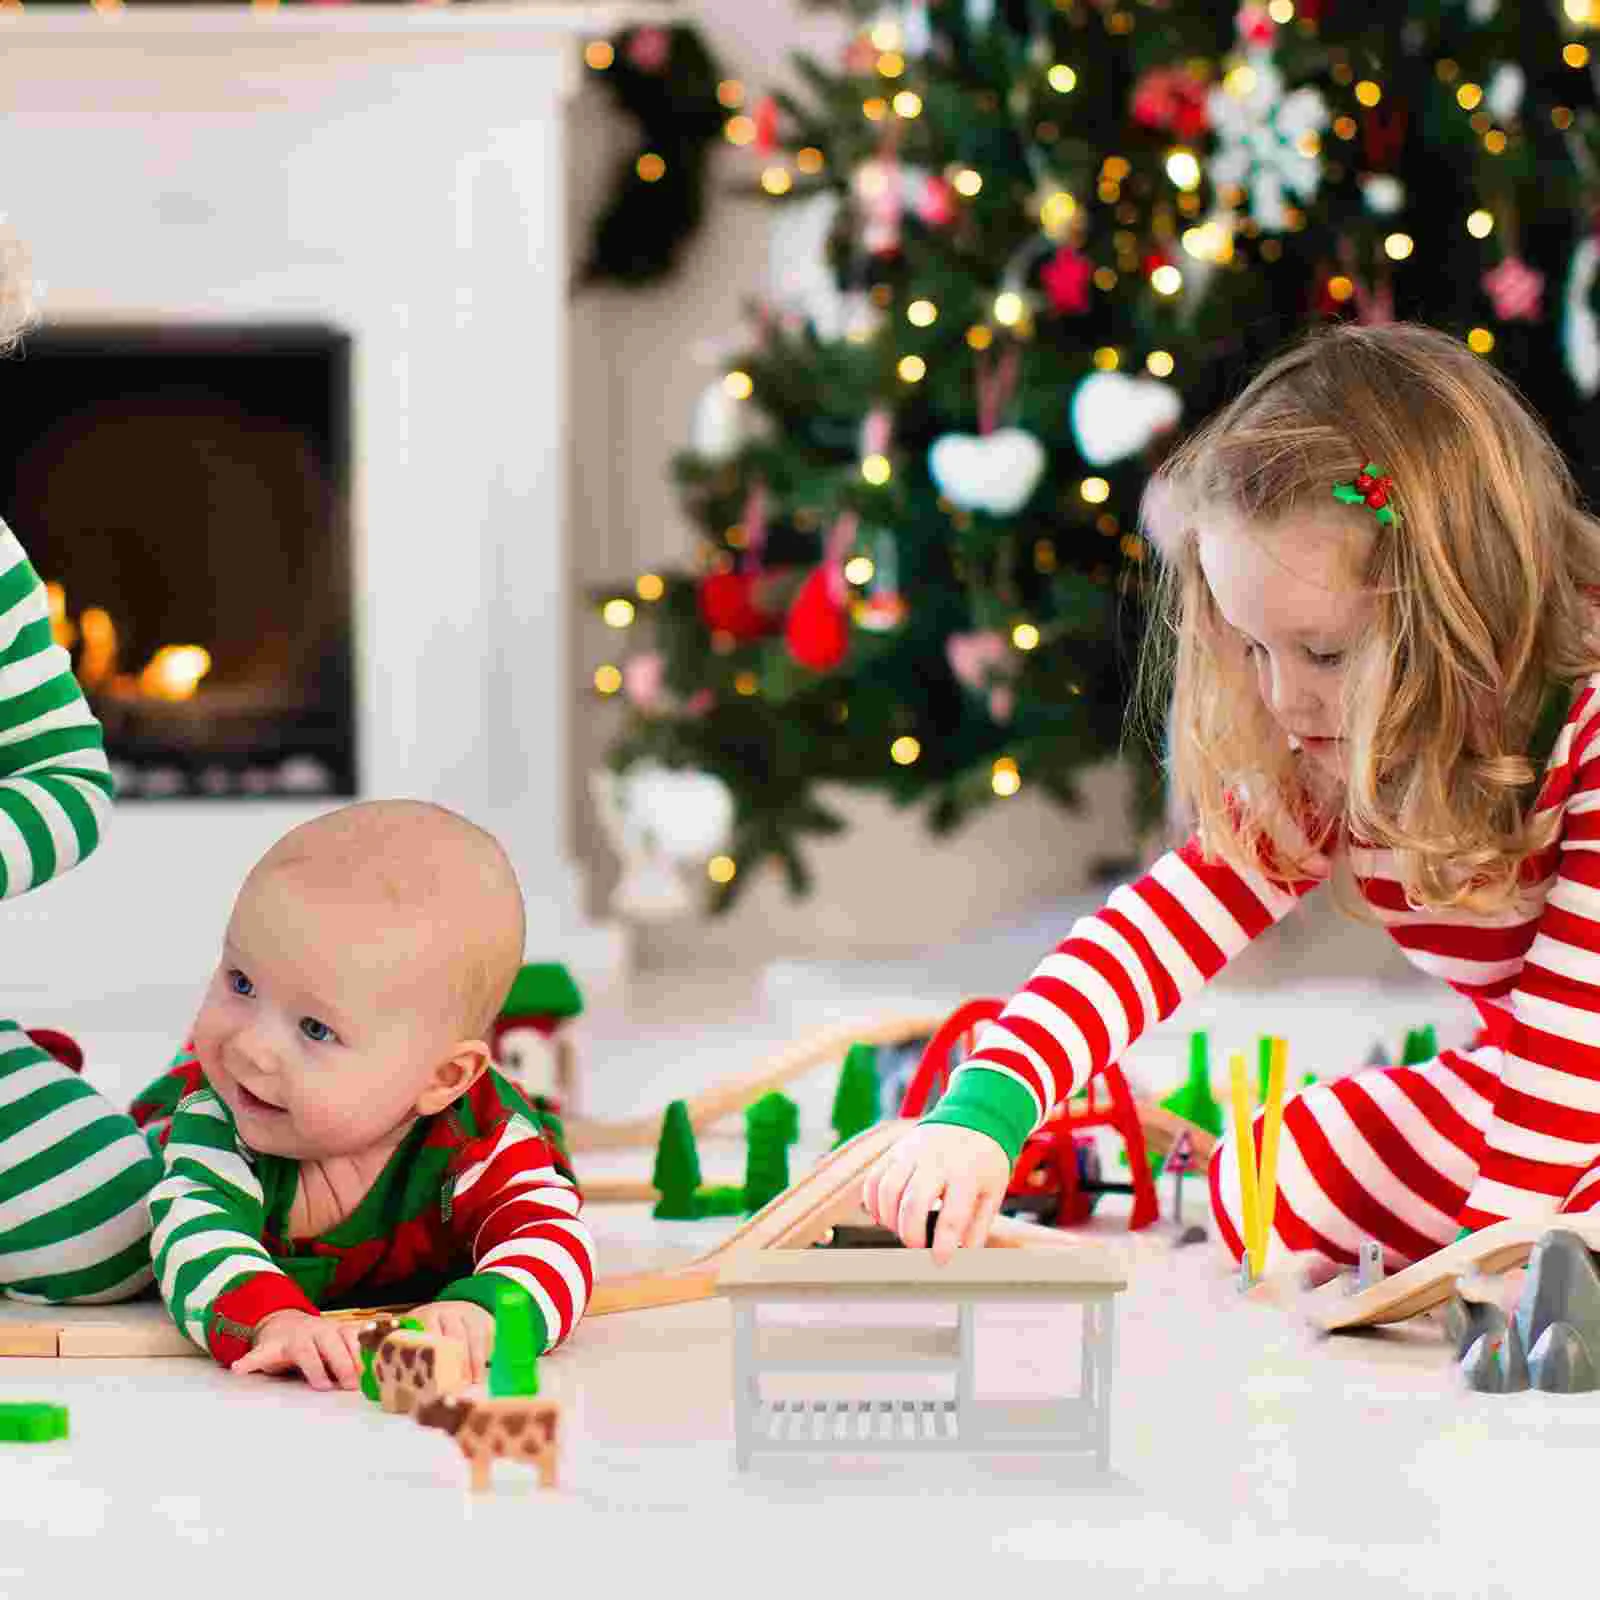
x=1380, y=635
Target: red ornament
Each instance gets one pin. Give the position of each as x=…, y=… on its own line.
x=730, y=602
x=936, y=205
x=1256, y=26
x=766, y=121
x=1066, y=278
x=1173, y=100
x=818, y=628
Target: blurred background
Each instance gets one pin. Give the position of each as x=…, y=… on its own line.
x=705, y=441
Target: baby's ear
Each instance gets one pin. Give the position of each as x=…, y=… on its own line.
x=453, y=1076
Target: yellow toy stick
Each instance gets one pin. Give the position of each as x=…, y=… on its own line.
x=1245, y=1148
x=1277, y=1072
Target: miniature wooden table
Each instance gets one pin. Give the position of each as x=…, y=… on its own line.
x=1086, y=1276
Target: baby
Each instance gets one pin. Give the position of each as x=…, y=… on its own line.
x=334, y=1132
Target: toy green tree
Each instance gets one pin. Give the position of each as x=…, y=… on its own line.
x=677, y=1169
x=1193, y=1099
x=1060, y=233
x=772, y=1124
x=855, y=1101
x=1422, y=1044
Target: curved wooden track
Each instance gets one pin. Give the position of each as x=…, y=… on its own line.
x=1431, y=1281
x=734, y=1094
x=830, y=1193
x=824, y=1047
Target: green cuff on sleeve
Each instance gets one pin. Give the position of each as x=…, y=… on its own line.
x=482, y=1289
x=988, y=1102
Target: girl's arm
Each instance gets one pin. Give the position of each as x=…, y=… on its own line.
x=1153, y=944
x=55, y=785
x=1544, y=1133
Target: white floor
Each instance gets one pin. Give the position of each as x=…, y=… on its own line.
x=1247, y=1456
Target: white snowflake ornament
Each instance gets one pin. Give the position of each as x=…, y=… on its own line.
x=1383, y=193
x=1502, y=95
x=1259, y=132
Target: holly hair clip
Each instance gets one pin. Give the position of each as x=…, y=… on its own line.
x=1371, y=489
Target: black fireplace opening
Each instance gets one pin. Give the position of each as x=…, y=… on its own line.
x=184, y=493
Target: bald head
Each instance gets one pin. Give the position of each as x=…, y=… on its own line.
x=444, y=885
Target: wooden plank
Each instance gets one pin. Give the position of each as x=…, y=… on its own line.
x=117, y=1341
x=969, y=1274
x=633, y=1191
x=28, y=1339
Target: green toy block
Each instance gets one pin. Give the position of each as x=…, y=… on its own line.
x=369, y=1358
x=543, y=989
x=27, y=1422
x=1193, y=1100
x=677, y=1171
x=514, y=1362
x=856, y=1100
x=720, y=1200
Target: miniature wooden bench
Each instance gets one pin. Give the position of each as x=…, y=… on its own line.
x=1086, y=1277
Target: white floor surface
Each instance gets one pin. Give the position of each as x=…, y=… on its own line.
x=1247, y=1456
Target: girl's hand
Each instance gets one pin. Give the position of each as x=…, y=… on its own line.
x=466, y=1321
x=326, y=1354
x=968, y=1170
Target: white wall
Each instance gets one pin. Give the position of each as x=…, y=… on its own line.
x=885, y=886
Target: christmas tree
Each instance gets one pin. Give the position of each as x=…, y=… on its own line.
x=1061, y=232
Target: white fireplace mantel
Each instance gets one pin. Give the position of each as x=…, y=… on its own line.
x=398, y=173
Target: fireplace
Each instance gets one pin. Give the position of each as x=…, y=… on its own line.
x=276, y=178
x=184, y=492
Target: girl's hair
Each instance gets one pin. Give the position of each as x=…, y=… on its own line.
x=16, y=289
x=1482, y=587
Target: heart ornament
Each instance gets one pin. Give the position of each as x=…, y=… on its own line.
x=996, y=473
x=1115, y=416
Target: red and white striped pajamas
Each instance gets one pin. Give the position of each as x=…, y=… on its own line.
x=1404, y=1155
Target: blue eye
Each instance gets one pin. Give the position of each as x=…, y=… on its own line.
x=240, y=984
x=316, y=1032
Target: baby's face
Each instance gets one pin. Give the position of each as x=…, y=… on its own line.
x=317, y=1029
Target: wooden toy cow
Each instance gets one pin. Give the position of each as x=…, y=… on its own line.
x=415, y=1369
x=518, y=1429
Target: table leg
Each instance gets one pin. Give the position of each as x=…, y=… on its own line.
x=746, y=1383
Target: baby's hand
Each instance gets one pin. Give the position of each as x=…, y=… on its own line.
x=967, y=1168
x=471, y=1324
x=327, y=1354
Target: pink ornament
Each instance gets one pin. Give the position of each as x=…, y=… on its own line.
x=877, y=432
x=936, y=205
x=1002, y=702
x=861, y=55
x=1255, y=25
x=649, y=49
x=1066, y=278
x=700, y=702
x=877, y=188
x=973, y=655
x=643, y=678
x=1516, y=290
